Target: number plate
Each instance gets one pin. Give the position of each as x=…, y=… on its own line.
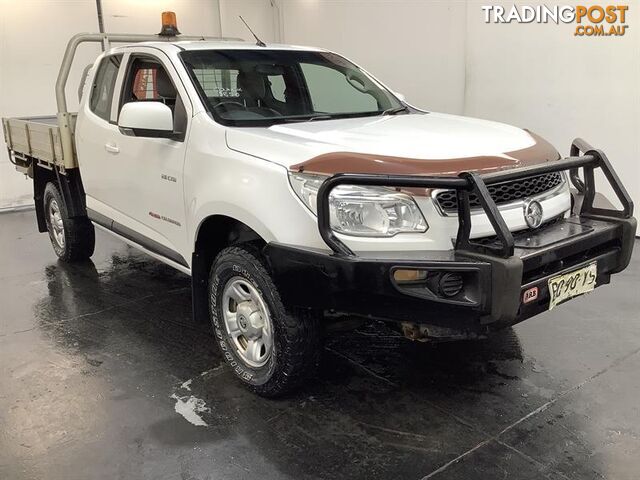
x=572, y=284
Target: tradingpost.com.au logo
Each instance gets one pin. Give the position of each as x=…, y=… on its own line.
x=590, y=20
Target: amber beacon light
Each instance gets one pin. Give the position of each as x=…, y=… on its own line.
x=169, y=25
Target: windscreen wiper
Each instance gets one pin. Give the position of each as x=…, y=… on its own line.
x=307, y=118
x=396, y=110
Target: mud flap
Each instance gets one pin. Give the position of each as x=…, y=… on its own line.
x=199, y=292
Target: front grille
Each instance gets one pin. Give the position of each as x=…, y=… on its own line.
x=504, y=192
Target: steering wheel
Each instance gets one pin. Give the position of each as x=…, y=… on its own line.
x=224, y=104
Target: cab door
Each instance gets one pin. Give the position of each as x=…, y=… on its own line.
x=153, y=167
x=96, y=133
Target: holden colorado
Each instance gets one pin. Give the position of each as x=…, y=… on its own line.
x=295, y=189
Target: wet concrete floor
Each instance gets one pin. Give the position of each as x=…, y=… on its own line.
x=98, y=360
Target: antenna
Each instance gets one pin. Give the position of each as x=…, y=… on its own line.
x=259, y=42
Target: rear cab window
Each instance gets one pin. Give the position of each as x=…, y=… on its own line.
x=218, y=82
x=103, y=85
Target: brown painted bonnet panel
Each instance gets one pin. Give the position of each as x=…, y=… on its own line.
x=349, y=162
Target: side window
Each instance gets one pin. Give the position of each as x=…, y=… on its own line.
x=148, y=81
x=331, y=91
x=277, y=87
x=103, y=84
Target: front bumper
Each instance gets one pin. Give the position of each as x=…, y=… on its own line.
x=494, y=274
x=493, y=287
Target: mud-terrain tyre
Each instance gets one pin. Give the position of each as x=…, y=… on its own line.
x=73, y=239
x=271, y=350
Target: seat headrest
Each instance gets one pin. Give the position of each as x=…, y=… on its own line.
x=252, y=85
x=163, y=84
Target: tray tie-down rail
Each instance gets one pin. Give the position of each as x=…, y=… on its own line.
x=469, y=182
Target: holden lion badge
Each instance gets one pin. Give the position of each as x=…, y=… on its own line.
x=532, y=213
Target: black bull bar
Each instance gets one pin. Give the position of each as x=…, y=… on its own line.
x=496, y=274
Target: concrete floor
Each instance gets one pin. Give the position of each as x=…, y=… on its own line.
x=94, y=360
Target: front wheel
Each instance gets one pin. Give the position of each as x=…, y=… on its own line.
x=269, y=350
x=73, y=239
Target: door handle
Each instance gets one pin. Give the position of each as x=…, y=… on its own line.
x=111, y=148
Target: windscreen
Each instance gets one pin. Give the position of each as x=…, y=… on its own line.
x=258, y=87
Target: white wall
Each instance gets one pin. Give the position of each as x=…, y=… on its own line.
x=195, y=17
x=439, y=53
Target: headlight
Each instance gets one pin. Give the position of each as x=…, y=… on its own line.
x=362, y=211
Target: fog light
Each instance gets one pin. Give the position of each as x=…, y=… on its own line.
x=450, y=284
x=409, y=275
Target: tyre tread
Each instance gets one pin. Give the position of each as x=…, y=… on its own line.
x=79, y=231
x=300, y=329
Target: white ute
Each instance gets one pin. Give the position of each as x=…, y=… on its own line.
x=294, y=188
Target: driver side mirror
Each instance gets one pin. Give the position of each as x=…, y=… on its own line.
x=146, y=119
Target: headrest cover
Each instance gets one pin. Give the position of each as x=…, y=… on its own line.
x=164, y=85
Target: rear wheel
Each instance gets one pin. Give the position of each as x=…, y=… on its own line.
x=269, y=349
x=73, y=239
